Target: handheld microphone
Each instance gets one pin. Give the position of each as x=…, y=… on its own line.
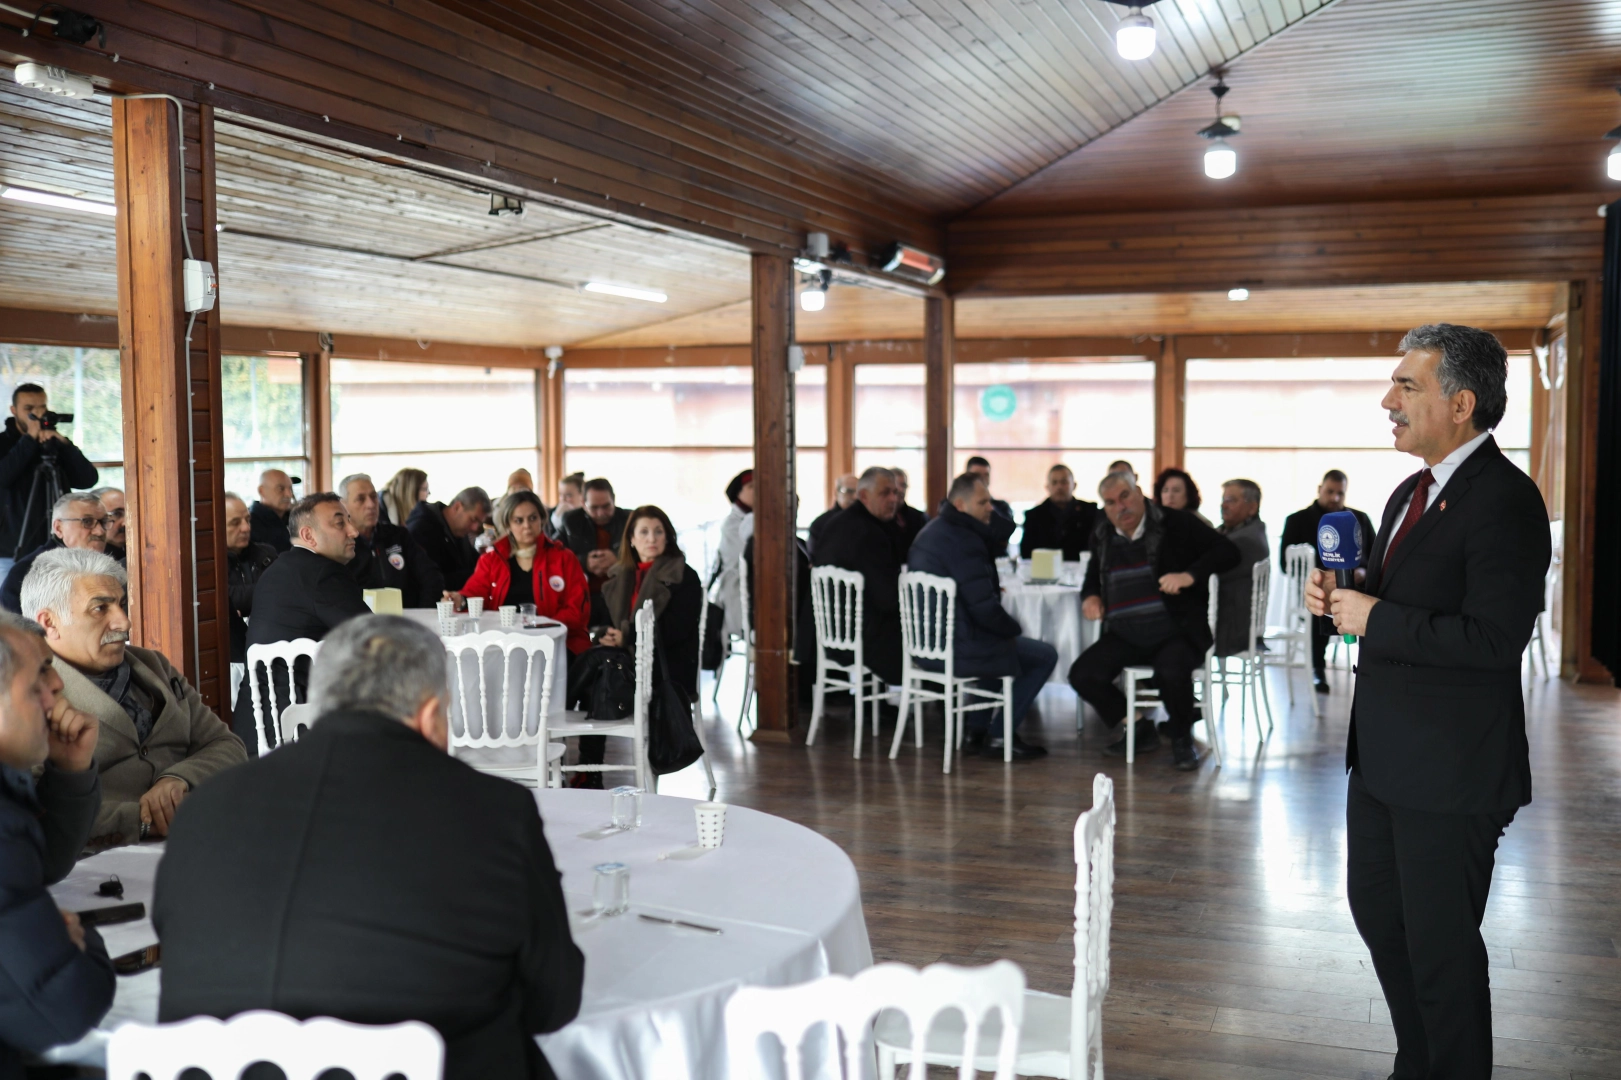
x=1339, y=547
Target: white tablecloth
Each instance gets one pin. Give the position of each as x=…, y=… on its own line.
x=786, y=898
x=1052, y=613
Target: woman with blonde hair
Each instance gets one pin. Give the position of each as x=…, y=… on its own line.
x=401, y=494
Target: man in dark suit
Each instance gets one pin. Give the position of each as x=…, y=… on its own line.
x=269, y=514
x=909, y=520
x=1062, y=521
x=1149, y=578
x=844, y=493
x=864, y=538
x=1437, y=751
x=593, y=533
x=281, y=888
x=386, y=556
x=305, y=593
x=446, y=530
x=1300, y=527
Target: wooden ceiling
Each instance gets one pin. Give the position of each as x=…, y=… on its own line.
x=855, y=314
x=947, y=102
x=1373, y=100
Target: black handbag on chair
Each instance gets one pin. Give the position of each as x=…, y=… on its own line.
x=672, y=744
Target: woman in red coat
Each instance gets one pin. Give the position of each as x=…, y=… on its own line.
x=524, y=566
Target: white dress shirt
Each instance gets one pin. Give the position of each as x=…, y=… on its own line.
x=1442, y=471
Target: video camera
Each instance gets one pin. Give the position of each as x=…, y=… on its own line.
x=48, y=419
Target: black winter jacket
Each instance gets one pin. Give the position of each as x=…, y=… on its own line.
x=1178, y=543
x=19, y=454
x=241, y=574
x=392, y=559
x=958, y=546
x=455, y=556
x=1068, y=527
x=11, y=593
x=50, y=992
x=855, y=540
x=269, y=527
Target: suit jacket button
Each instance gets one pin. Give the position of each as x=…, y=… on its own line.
x=141, y=752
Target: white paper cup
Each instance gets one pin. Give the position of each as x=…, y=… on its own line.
x=711, y=823
x=446, y=608
x=475, y=606
x=509, y=615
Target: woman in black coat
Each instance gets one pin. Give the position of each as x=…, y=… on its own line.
x=652, y=567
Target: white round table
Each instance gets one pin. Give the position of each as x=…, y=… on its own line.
x=786, y=900
x=1052, y=613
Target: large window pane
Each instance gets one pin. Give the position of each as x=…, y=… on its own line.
x=385, y=407
x=688, y=484
x=263, y=420
x=242, y=477
x=810, y=473
x=888, y=409
x=84, y=382
x=657, y=407
x=449, y=471
x=810, y=406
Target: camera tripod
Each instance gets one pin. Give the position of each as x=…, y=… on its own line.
x=46, y=477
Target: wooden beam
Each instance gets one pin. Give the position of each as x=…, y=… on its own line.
x=1170, y=406
x=840, y=404
x=551, y=388
x=157, y=385
x=774, y=576
x=1532, y=238
x=939, y=360
x=318, y=420
x=1581, y=490
x=674, y=356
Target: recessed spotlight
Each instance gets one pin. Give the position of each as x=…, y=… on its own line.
x=1238, y=294
x=652, y=296
x=61, y=202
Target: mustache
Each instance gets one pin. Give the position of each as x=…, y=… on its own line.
x=1397, y=416
x=115, y=637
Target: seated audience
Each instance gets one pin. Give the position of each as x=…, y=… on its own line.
x=1149, y=580
x=982, y=469
x=844, y=493
x=1241, y=523
x=594, y=533
x=652, y=567
x=58, y=982
x=735, y=529
x=386, y=555
x=112, y=500
x=908, y=519
x=158, y=741
x=1062, y=521
x=527, y=567
x=401, y=495
x=863, y=538
x=79, y=521
x=1300, y=527
x=308, y=590
x=363, y=873
x=570, y=496
x=244, y=562
x=520, y=480
x=963, y=543
x=25, y=507
x=271, y=509
x=446, y=533
x=1175, y=489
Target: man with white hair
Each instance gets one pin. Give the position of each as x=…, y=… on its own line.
x=364, y=873
x=270, y=510
x=386, y=555
x=78, y=520
x=158, y=740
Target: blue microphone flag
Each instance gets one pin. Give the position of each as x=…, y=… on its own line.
x=1339, y=541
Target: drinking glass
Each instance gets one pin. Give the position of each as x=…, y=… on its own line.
x=612, y=892
x=627, y=807
x=526, y=614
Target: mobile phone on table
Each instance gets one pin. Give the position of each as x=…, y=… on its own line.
x=133, y=963
x=112, y=916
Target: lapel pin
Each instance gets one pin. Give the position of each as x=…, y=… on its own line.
x=1443, y=504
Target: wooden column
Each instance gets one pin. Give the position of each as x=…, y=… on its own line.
x=1170, y=408
x=939, y=384
x=551, y=429
x=773, y=309
x=173, y=444
x=840, y=398
x=318, y=421
x=1582, y=321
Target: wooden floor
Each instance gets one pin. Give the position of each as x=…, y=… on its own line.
x=1234, y=954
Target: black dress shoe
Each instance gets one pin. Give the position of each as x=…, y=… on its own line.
x=1147, y=739
x=1183, y=754
x=1319, y=682
x=973, y=742
x=1022, y=751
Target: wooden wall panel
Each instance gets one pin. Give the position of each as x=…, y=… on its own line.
x=1170, y=406
x=777, y=701
x=841, y=418
x=1544, y=238
x=939, y=388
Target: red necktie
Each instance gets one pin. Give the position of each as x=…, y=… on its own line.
x=1415, y=510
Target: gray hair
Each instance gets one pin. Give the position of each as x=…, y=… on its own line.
x=68, y=499
x=9, y=658
x=343, y=485
x=383, y=663
x=49, y=584
x=1119, y=476
x=1248, y=488
x=963, y=487
x=473, y=498
x=238, y=498
x=102, y=491
x=1471, y=359
x=872, y=476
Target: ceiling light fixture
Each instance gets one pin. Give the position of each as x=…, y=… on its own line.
x=652, y=296
x=813, y=297
x=1238, y=294
x=1220, y=160
x=1613, y=166
x=61, y=202
x=503, y=205
x=1134, y=37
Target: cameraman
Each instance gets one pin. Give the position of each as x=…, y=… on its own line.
x=29, y=447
